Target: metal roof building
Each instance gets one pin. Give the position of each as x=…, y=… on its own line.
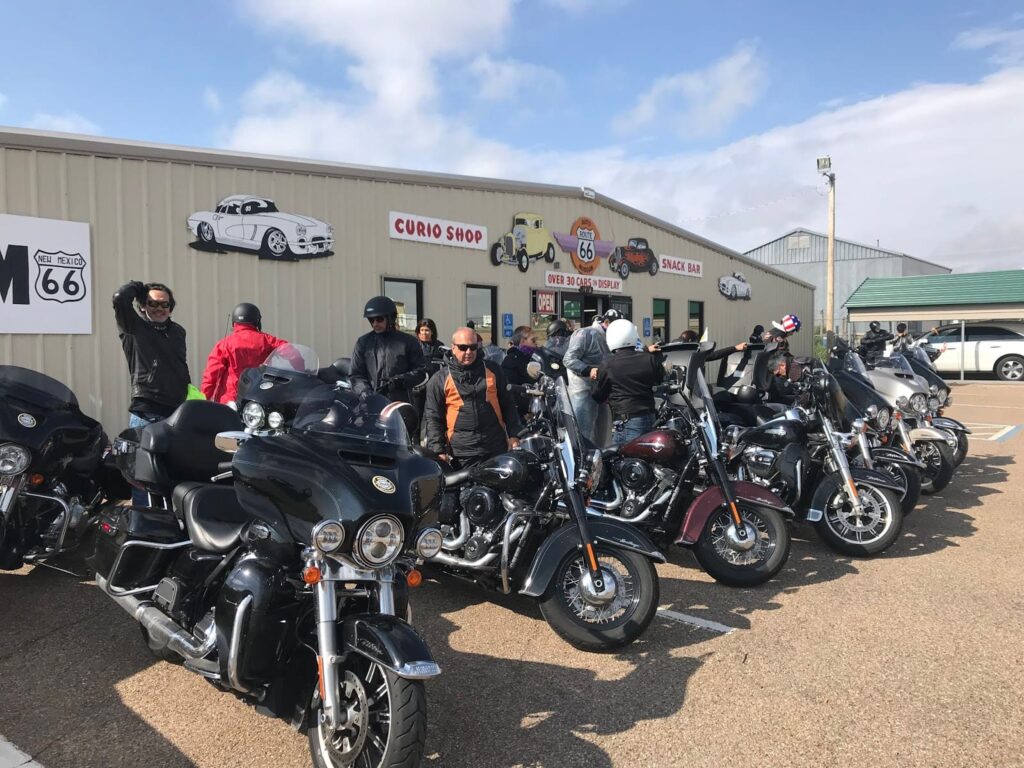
x=969, y=296
x=803, y=253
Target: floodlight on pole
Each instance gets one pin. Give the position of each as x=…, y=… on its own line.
x=825, y=169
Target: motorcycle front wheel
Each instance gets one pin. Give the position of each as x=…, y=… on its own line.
x=861, y=534
x=733, y=563
x=385, y=720
x=939, y=468
x=910, y=479
x=602, y=625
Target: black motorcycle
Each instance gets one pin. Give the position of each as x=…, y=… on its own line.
x=53, y=472
x=288, y=587
x=519, y=521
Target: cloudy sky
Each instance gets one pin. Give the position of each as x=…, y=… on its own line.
x=709, y=115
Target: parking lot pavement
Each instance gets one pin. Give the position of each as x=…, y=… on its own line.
x=913, y=658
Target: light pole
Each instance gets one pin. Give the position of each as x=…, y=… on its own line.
x=825, y=169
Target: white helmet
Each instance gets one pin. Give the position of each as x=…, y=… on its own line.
x=621, y=334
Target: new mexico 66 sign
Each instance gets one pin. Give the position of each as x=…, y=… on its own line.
x=45, y=280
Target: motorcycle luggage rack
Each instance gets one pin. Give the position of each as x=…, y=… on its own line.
x=115, y=591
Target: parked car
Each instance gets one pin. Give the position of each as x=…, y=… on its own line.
x=254, y=223
x=635, y=256
x=734, y=286
x=995, y=347
x=528, y=241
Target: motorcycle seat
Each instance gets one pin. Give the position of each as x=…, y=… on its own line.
x=213, y=517
x=184, y=442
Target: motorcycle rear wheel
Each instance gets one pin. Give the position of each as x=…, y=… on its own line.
x=743, y=568
x=939, y=458
x=858, y=535
x=386, y=725
x=607, y=627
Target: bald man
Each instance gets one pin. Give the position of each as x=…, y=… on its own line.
x=469, y=415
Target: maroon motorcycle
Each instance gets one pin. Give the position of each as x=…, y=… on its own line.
x=672, y=483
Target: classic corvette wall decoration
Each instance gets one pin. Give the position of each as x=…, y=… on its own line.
x=253, y=223
x=734, y=286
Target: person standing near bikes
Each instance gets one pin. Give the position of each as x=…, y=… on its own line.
x=385, y=360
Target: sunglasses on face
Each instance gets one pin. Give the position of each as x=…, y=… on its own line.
x=467, y=347
x=377, y=319
x=158, y=304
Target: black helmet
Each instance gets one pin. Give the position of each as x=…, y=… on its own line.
x=247, y=313
x=611, y=314
x=380, y=306
x=557, y=328
x=901, y=327
x=875, y=326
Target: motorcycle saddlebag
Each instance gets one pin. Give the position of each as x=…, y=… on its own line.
x=137, y=565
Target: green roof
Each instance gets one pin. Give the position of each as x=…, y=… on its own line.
x=976, y=288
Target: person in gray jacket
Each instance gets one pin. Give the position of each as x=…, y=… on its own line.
x=586, y=351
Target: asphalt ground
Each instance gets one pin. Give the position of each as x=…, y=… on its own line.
x=914, y=658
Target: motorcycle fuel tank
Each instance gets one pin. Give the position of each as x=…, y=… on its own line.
x=505, y=472
x=661, y=446
x=777, y=434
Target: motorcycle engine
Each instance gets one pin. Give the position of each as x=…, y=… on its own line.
x=642, y=484
x=481, y=505
x=759, y=462
x=636, y=475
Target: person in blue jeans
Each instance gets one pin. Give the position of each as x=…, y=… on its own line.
x=626, y=381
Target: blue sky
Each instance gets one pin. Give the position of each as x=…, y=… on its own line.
x=709, y=115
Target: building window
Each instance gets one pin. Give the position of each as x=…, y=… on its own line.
x=660, y=326
x=798, y=242
x=621, y=304
x=408, y=296
x=695, y=319
x=482, y=310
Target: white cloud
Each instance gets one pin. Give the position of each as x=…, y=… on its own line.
x=513, y=80
x=586, y=6
x=1007, y=43
x=211, y=99
x=700, y=103
x=69, y=122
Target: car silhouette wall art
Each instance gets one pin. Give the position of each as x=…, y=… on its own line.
x=254, y=224
x=734, y=286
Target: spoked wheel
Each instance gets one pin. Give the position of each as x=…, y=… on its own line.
x=602, y=621
x=743, y=562
x=910, y=480
x=860, y=533
x=938, y=459
x=382, y=721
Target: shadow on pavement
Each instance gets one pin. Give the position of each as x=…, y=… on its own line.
x=64, y=646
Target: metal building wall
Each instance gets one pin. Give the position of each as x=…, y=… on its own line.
x=137, y=199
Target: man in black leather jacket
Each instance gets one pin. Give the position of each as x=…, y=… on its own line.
x=385, y=360
x=872, y=344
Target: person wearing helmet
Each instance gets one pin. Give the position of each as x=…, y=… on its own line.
x=903, y=339
x=552, y=353
x=247, y=346
x=626, y=380
x=587, y=349
x=385, y=360
x=872, y=344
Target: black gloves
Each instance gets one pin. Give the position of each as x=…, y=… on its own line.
x=138, y=291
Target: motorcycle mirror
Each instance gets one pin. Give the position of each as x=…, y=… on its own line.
x=533, y=369
x=230, y=441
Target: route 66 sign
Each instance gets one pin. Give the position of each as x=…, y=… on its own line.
x=59, y=277
x=45, y=277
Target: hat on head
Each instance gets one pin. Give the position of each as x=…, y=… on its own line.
x=789, y=324
x=612, y=314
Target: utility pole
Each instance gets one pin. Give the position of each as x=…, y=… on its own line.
x=825, y=169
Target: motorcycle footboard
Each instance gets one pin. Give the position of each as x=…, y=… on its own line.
x=390, y=642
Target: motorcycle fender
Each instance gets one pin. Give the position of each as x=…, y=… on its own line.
x=567, y=538
x=943, y=422
x=894, y=456
x=390, y=642
x=702, y=507
x=872, y=477
x=931, y=434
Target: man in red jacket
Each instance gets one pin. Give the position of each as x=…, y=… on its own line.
x=246, y=347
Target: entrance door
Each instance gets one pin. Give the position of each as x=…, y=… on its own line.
x=661, y=326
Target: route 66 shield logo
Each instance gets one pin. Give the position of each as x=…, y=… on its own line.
x=60, y=276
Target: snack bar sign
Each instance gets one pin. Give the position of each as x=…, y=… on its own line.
x=676, y=266
x=422, y=229
x=572, y=281
x=45, y=278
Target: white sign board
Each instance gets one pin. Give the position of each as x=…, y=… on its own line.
x=571, y=280
x=422, y=229
x=676, y=266
x=45, y=276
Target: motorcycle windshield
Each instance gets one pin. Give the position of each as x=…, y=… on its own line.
x=372, y=421
x=854, y=363
x=293, y=358
x=896, y=363
x=919, y=355
x=30, y=386
x=567, y=419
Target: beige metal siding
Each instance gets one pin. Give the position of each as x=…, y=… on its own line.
x=137, y=207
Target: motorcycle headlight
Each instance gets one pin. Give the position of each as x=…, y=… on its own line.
x=253, y=415
x=945, y=396
x=328, y=536
x=933, y=403
x=883, y=418
x=14, y=459
x=428, y=543
x=379, y=542
x=595, y=467
x=871, y=411
x=300, y=230
x=918, y=402
x=933, y=389
x=902, y=403
x=275, y=420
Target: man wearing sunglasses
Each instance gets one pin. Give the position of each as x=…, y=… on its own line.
x=386, y=360
x=154, y=346
x=469, y=414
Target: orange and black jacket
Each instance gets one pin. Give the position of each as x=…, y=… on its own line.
x=469, y=411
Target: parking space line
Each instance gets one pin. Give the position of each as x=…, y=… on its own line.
x=1006, y=434
x=12, y=757
x=685, y=618
x=991, y=432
